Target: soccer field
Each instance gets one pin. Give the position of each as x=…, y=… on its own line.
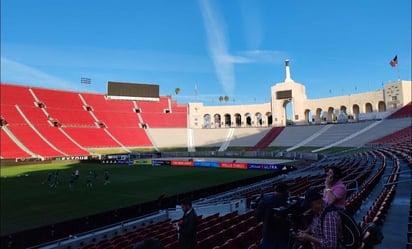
x=27, y=201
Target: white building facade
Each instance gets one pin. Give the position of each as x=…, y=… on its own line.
x=351, y=107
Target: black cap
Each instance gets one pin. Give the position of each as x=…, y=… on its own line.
x=310, y=195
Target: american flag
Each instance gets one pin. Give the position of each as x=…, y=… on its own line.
x=394, y=61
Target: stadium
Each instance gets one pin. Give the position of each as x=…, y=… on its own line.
x=221, y=157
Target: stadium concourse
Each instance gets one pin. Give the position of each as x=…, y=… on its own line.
x=375, y=155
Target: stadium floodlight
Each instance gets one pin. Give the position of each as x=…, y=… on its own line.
x=85, y=81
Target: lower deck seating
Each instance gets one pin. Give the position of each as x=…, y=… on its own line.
x=405, y=111
x=9, y=149
x=131, y=137
x=395, y=138
x=267, y=139
x=33, y=141
x=91, y=137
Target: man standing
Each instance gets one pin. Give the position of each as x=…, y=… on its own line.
x=335, y=189
x=187, y=226
x=275, y=228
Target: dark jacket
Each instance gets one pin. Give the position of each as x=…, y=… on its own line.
x=274, y=228
x=187, y=230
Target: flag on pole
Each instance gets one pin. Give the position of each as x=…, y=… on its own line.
x=394, y=61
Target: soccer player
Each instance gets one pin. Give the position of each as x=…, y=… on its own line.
x=106, y=177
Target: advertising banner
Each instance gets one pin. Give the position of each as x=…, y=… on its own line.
x=120, y=161
x=182, y=163
x=232, y=165
x=206, y=164
x=160, y=162
x=142, y=161
x=264, y=166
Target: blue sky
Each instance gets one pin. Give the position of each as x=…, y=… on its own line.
x=223, y=47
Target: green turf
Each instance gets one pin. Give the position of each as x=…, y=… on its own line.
x=27, y=201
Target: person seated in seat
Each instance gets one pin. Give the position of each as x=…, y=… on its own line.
x=325, y=230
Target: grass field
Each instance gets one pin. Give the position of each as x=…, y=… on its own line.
x=27, y=201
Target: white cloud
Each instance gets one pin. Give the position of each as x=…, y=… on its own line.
x=252, y=21
x=222, y=60
x=18, y=73
x=234, y=59
x=263, y=56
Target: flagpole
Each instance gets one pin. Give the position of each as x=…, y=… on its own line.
x=399, y=75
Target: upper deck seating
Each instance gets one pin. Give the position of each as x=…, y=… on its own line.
x=162, y=114
x=59, y=99
x=178, y=108
x=64, y=106
x=99, y=103
x=156, y=107
x=15, y=95
x=13, y=117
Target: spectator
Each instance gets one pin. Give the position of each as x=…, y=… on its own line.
x=275, y=228
x=325, y=230
x=335, y=189
x=187, y=226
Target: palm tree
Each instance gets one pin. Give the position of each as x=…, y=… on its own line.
x=220, y=99
x=226, y=98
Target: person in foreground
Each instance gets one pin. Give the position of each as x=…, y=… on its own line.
x=275, y=228
x=325, y=231
x=187, y=226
